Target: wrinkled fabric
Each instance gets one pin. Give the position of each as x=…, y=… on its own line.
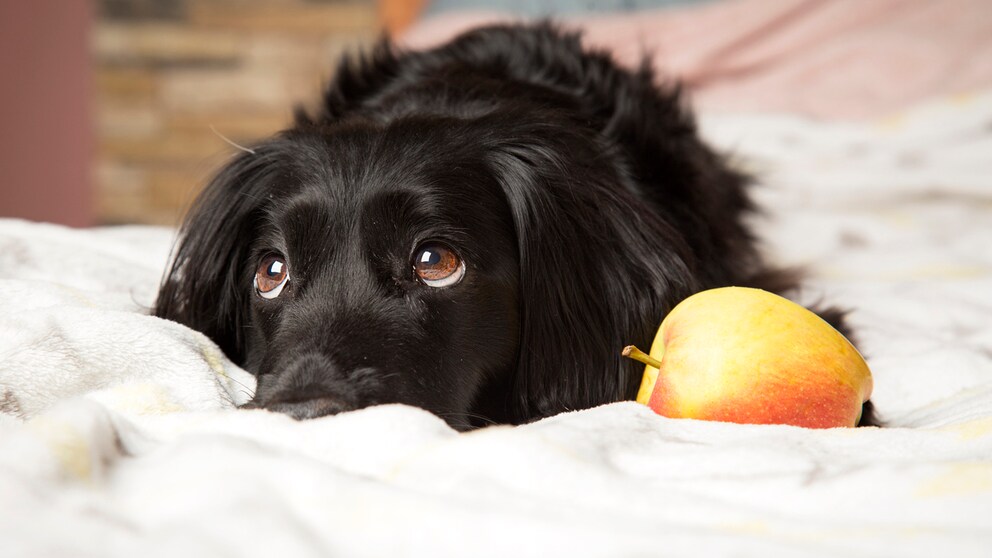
x=119, y=437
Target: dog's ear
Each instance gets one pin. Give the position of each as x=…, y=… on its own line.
x=597, y=272
x=206, y=283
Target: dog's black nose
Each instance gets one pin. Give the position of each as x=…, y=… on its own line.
x=308, y=408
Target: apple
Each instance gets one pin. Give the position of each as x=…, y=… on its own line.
x=737, y=354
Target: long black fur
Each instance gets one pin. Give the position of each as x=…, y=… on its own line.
x=578, y=193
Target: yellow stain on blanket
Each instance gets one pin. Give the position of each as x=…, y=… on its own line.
x=213, y=358
x=959, y=479
x=893, y=123
x=962, y=99
x=70, y=447
x=77, y=294
x=759, y=528
x=972, y=429
x=142, y=399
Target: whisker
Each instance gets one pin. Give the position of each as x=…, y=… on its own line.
x=230, y=379
x=466, y=415
x=231, y=142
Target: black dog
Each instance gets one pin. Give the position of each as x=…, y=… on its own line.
x=476, y=230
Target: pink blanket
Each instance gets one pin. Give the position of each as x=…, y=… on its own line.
x=849, y=59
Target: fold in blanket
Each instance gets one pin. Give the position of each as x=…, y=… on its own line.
x=74, y=321
x=131, y=447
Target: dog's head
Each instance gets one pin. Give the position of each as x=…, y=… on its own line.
x=483, y=259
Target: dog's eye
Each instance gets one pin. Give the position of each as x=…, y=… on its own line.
x=436, y=265
x=271, y=276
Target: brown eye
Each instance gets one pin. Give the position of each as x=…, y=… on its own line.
x=271, y=276
x=436, y=265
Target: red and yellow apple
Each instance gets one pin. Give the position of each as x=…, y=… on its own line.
x=737, y=354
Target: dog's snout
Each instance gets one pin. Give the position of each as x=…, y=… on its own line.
x=309, y=408
x=313, y=385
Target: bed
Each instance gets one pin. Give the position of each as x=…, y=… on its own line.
x=119, y=433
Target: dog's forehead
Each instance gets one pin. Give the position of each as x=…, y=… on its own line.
x=388, y=186
x=410, y=167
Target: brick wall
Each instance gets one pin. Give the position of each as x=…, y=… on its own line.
x=170, y=72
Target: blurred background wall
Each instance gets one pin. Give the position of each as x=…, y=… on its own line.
x=111, y=111
x=46, y=127
x=115, y=111
x=172, y=76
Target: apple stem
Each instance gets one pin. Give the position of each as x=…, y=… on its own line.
x=633, y=352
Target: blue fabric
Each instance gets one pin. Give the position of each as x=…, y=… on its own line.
x=544, y=8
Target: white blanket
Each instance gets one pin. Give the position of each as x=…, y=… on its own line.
x=118, y=435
